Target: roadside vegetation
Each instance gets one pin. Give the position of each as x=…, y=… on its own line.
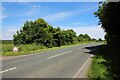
x=36, y=36
x=31, y=48
x=100, y=67
x=106, y=62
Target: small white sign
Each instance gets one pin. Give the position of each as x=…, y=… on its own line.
x=15, y=49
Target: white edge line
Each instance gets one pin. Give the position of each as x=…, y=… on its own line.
x=82, y=67
x=8, y=70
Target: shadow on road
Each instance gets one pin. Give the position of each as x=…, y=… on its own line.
x=92, y=49
x=111, y=55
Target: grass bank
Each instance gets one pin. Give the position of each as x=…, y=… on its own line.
x=31, y=48
x=105, y=63
x=98, y=69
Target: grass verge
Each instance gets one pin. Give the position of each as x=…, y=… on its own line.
x=31, y=48
x=105, y=64
x=98, y=69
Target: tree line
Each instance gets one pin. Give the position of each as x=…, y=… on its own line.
x=6, y=41
x=41, y=33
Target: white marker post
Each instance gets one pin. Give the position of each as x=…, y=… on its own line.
x=15, y=49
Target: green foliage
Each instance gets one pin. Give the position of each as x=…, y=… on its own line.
x=98, y=70
x=41, y=33
x=7, y=47
x=32, y=32
x=29, y=48
x=6, y=41
x=99, y=39
x=106, y=56
x=85, y=37
x=109, y=16
x=93, y=39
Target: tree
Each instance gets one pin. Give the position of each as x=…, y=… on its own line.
x=72, y=38
x=99, y=39
x=37, y=32
x=41, y=33
x=109, y=16
x=85, y=37
x=93, y=39
x=57, y=36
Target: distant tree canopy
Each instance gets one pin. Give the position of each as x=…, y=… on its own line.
x=99, y=39
x=93, y=39
x=6, y=41
x=84, y=37
x=109, y=16
x=41, y=33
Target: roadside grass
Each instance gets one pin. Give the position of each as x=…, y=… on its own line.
x=105, y=64
x=98, y=70
x=31, y=48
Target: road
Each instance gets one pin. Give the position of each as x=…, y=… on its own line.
x=61, y=63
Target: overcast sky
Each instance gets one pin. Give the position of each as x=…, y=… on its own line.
x=67, y=15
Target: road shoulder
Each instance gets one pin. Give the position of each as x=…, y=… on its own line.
x=84, y=70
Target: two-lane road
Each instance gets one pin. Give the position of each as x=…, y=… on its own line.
x=62, y=63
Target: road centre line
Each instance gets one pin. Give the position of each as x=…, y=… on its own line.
x=58, y=55
x=8, y=70
x=69, y=51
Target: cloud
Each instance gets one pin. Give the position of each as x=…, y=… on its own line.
x=31, y=12
x=2, y=8
x=77, y=24
x=57, y=16
x=93, y=31
x=34, y=10
x=28, y=13
x=65, y=14
x=2, y=16
x=7, y=34
x=36, y=6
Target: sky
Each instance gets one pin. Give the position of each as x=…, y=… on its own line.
x=78, y=16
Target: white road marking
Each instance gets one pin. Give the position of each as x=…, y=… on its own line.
x=58, y=55
x=82, y=67
x=69, y=51
x=8, y=70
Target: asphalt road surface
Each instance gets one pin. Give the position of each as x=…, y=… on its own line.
x=62, y=63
